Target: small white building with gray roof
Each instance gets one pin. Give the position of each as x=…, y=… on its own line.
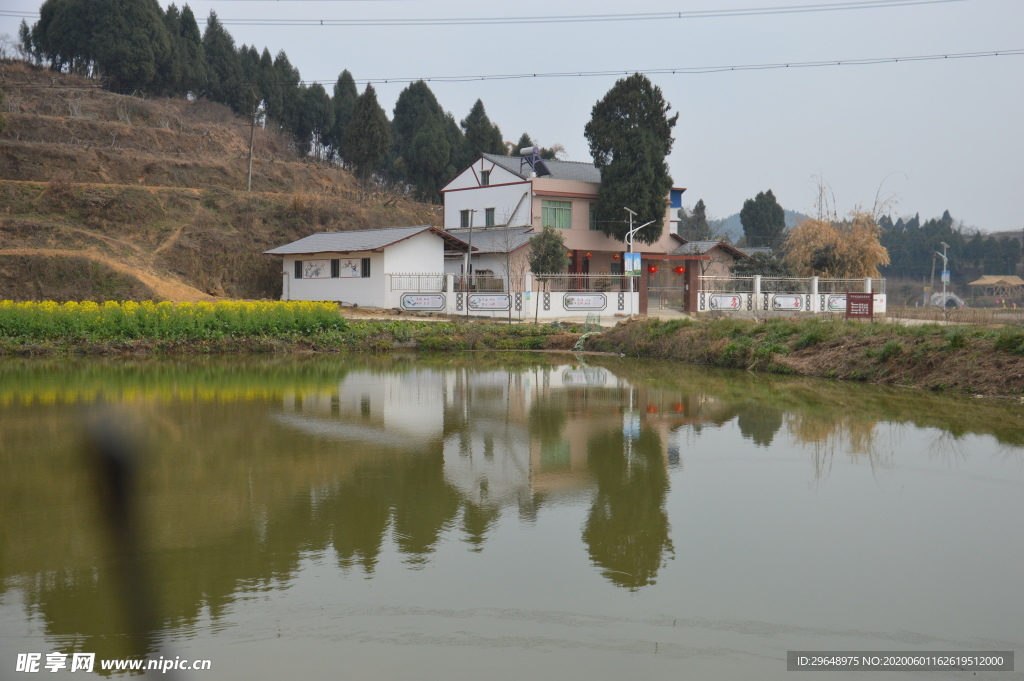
x=355, y=267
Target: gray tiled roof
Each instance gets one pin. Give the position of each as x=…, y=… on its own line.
x=346, y=242
x=495, y=239
x=560, y=170
x=695, y=247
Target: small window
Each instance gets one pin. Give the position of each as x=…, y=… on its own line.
x=488, y=217
x=485, y=178
x=298, y=269
x=335, y=268
x=557, y=214
x=464, y=218
x=365, y=271
x=593, y=218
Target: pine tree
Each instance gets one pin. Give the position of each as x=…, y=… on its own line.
x=764, y=220
x=317, y=117
x=190, y=53
x=287, y=78
x=422, y=149
x=630, y=134
x=269, y=89
x=131, y=43
x=368, y=135
x=344, y=103
x=523, y=143
x=482, y=136
x=223, y=68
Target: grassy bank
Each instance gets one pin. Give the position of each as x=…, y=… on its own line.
x=966, y=359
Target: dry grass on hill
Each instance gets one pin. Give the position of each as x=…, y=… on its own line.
x=151, y=192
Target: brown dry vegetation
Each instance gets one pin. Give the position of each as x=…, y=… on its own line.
x=965, y=359
x=157, y=186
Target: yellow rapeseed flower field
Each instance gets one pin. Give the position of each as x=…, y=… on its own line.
x=49, y=320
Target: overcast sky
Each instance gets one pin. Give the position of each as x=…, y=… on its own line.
x=946, y=134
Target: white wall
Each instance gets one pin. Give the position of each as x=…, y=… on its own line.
x=421, y=253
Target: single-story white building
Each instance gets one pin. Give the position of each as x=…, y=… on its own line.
x=355, y=267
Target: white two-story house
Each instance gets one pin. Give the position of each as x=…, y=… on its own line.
x=516, y=191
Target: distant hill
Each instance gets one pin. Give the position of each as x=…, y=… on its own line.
x=733, y=228
x=105, y=196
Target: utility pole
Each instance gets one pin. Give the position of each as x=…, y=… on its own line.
x=469, y=261
x=252, y=135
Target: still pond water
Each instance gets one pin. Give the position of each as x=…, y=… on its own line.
x=506, y=518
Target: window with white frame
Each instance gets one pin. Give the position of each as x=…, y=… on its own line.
x=485, y=178
x=557, y=214
x=488, y=217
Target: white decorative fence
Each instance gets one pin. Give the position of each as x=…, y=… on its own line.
x=530, y=296
x=784, y=295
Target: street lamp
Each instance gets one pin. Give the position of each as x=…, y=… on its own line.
x=629, y=256
x=945, y=272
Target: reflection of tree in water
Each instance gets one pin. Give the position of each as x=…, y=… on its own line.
x=760, y=423
x=627, y=530
x=476, y=522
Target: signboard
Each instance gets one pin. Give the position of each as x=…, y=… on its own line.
x=787, y=302
x=724, y=302
x=422, y=301
x=945, y=276
x=585, y=301
x=860, y=305
x=631, y=265
x=837, y=302
x=490, y=301
x=316, y=269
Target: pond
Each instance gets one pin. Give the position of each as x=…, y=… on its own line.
x=500, y=517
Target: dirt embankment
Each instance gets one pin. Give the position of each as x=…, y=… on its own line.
x=105, y=196
x=963, y=359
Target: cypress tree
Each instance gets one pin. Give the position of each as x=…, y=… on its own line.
x=317, y=114
x=190, y=53
x=630, y=134
x=287, y=78
x=344, y=103
x=764, y=220
x=482, y=136
x=131, y=43
x=223, y=68
x=368, y=135
x=421, y=149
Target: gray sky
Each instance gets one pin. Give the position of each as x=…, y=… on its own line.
x=938, y=135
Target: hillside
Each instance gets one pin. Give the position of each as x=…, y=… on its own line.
x=732, y=228
x=105, y=196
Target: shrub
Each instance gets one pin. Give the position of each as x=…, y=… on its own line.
x=891, y=350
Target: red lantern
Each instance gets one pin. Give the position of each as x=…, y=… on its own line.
x=678, y=408
x=569, y=254
x=587, y=256
x=616, y=257
x=679, y=269
x=652, y=269
x=652, y=409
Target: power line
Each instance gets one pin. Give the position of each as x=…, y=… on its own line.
x=680, y=70
x=567, y=18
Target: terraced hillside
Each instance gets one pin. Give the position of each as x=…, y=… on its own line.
x=106, y=196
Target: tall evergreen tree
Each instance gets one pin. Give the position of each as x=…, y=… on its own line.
x=764, y=220
x=131, y=43
x=694, y=226
x=317, y=117
x=482, y=136
x=223, y=68
x=344, y=103
x=270, y=90
x=368, y=135
x=249, y=93
x=630, y=134
x=523, y=143
x=190, y=53
x=287, y=78
x=421, y=152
